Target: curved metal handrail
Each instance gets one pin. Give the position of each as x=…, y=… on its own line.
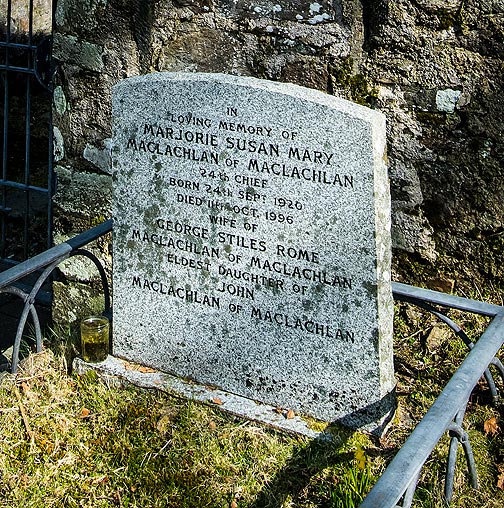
x=101, y=271
x=35, y=319
x=47, y=262
x=467, y=341
x=399, y=480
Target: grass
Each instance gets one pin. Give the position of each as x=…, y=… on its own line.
x=74, y=441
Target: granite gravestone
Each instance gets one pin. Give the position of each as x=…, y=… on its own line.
x=252, y=242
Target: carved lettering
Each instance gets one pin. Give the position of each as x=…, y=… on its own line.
x=297, y=323
x=253, y=146
x=306, y=173
x=188, y=295
x=298, y=272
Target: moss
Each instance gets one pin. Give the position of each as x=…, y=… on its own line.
x=95, y=221
x=453, y=19
x=418, y=271
x=496, y=242
x=357, y=86
x=431, y=118
x=447, y=19
x=314, y=424
x=362, y=92
x=342, y=73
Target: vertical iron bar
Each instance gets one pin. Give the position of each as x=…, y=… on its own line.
x=3, y=233
x=410, y=492
x=30, y=23
x=450, y=470
x=451, y=463
x=8, y=30
x=27, y=163
x=459, y=435
x=498, y=365
x=50, y=179
x=28, y=132
x=51, y=183
x=471, y=463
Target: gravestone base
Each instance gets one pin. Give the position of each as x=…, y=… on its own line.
x=118, y=371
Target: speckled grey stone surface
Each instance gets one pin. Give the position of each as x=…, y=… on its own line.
x=252, y=242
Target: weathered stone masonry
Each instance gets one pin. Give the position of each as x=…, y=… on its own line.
x=434, y=67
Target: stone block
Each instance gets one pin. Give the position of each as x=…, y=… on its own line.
x=252, y=242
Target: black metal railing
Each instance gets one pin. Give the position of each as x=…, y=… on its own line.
x=42, y=267
x=26, y=178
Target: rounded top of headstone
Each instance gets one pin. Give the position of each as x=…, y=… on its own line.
x=357, y=111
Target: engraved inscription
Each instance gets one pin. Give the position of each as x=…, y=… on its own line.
x=235, y=197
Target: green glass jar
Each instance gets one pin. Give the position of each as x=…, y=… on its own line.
x=95, y=338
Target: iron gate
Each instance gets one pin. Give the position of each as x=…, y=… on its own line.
x=26, y=183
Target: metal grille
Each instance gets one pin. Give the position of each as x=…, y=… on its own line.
x=26, y=180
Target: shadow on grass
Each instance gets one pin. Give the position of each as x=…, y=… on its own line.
x=324, y=471
x=323, y=474
x=302, y=477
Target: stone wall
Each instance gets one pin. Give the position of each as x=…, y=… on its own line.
x=434, y=67
x=19, y=16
